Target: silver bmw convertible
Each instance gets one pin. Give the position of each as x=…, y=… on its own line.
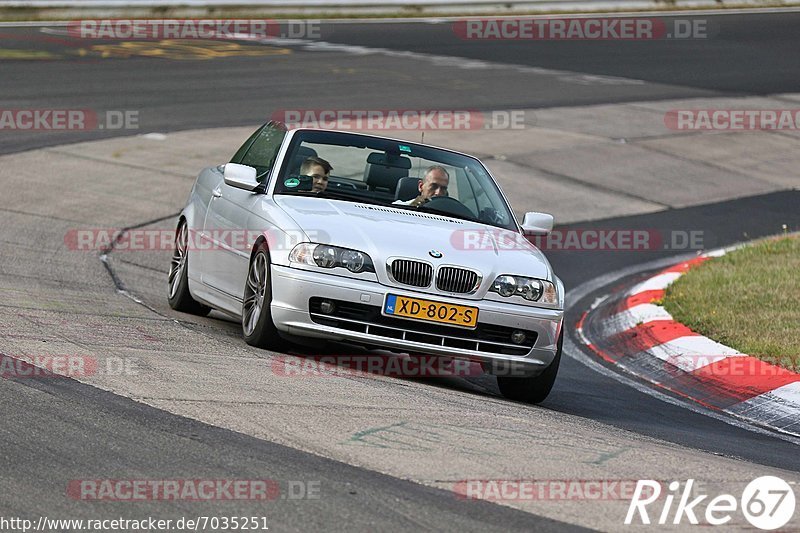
x=368, y=257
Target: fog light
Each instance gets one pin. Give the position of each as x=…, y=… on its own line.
x=327, y=307
x=517, y=337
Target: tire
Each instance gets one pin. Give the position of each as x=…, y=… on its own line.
x=535, y=389
x=258, y=328
x=179, y=297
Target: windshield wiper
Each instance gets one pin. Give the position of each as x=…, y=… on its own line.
x=336, y=195
x=449, y=214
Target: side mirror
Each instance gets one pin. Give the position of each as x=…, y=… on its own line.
x=537, y=223
x=240, y=176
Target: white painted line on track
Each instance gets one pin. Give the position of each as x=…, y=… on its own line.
x=435, y=59
x=634, y=316
x=730, y=418
x=692, y=353
x=440, y=19
x=572, y=350
x=656, y=283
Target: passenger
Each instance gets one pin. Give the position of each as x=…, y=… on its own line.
x=318, y=169
x=434, y=183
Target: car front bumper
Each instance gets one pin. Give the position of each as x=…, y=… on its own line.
x=292, y=289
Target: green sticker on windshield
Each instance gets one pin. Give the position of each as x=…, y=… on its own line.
x=292, y=183
x=404, y=148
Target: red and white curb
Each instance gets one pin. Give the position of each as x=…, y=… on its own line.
x=631, y=330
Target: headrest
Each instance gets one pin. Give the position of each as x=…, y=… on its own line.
x=302, y=153
x=384, y=169
x=407, y=189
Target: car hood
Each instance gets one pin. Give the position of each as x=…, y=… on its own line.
x=384, y=232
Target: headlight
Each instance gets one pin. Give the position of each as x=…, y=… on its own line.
x=303, y=253
x=532, y=289
x=353, y=261
x=326, y=256
x=505, y=285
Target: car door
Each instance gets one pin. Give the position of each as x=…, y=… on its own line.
x=225, y=262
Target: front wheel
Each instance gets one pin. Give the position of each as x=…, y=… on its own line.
x=257, y=325
x=535, y=389
x=179, y=297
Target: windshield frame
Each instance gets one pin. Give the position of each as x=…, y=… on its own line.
x=359, y=140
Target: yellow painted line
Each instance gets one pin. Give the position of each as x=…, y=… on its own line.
x=9, y=53
x=181, y=49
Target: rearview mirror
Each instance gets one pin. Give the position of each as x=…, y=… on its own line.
x=537, y=223
x=240, y=176
x=389, y=160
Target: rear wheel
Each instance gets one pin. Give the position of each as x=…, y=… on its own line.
x=535, y=389
x=179, y=297
x=257, y=325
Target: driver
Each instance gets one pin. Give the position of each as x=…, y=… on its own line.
x=319, y=170
x=433, y=183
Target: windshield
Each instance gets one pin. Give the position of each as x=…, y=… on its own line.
x=365, y=169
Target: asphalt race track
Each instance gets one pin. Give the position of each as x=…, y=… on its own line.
x=385, y=452
x=749, y=55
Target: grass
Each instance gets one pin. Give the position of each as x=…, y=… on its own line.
x=749, y=299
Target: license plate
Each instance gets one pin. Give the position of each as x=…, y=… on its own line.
x=455, y=315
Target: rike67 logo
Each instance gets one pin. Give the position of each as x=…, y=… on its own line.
x=767, y=503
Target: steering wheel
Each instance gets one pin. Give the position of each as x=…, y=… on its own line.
x=448, y=204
